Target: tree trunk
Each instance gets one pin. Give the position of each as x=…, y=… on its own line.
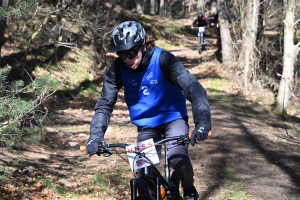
x=200, y=6
x=284, y=2
x=4, y=5
x=190, y=6
x=226, y=41
x=213, y=8
x=162, y=9
x=139, y=6
x=183, y=9
x=248, y=59
x=286, y=81
x=152, y=7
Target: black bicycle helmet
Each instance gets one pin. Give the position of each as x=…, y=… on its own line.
x=200, y=14
x=127, y=35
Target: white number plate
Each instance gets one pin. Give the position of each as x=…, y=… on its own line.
x=201, y=29
x=147, y=147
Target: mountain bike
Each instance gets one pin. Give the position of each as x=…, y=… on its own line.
x=150, y=184
x=201, y=44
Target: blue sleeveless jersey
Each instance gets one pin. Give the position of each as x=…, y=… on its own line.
x=150, y=98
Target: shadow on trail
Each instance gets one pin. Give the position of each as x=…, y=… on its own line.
x=242, y=151
x=281, y=159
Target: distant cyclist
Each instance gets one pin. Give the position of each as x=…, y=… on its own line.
x=201, y=21
x=215, y=21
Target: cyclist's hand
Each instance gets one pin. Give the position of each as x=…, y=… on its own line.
x=92, y=145
x=192, y=27
x=199, y=133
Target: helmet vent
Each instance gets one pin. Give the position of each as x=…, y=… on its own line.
x=127, y=35
x=121, y=33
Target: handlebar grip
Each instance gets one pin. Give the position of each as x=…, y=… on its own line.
x=210, y=133
x=82, y=148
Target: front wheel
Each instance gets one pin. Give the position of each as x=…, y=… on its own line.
x=175, y=184
x=145, y=198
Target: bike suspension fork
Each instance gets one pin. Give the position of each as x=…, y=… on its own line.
x=133, y=188
x=158, y=188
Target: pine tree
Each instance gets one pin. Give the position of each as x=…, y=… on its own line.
x=15, y=12
x=19, y=117
x=18, y=11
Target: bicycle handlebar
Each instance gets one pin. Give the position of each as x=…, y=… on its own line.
x=183, y=139
x=107, y=149
x=180, y=140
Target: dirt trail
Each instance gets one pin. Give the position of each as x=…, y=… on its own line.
x=250, y=149
x=250, y=146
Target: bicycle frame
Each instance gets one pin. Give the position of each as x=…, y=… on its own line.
x=201, y=31
x=150, y=172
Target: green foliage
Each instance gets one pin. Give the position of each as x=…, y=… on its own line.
x=44, y=83
x=18, y=11
x=89, y=90
x=169, y=12
x=19, y=120
x=3, y=76
x=5, y=173
x=18, y=116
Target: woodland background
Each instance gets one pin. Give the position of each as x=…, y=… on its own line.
x=54, y=50
x=261, y=38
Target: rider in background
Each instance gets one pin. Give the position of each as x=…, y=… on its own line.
x=215, y=21
x=201, y=21
x=216, y=25
x=156, y=86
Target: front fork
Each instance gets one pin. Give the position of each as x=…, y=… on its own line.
x=146, y=173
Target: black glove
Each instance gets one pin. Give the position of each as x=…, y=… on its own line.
x=92, y=145
x=200, y=132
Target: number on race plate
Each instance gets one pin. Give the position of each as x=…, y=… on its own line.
x=147, y=147
x=201, y=29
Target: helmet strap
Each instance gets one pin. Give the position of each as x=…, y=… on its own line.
x=143, y=52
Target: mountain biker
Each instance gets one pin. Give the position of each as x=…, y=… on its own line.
x=201, y=21
x=215, y=21
x=156, y=86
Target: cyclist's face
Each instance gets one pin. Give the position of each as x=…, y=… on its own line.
x=133, y=57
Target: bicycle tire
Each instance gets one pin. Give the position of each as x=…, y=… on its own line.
x=154, y=198
x=200, y=44
x=145, y=198
x=146, y=186
x=175, y=184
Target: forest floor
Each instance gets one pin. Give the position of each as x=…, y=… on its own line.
x=253, y=153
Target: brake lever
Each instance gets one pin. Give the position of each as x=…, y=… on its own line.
x=97, y=153
x=107, y=154
x=104, y=151
x=183, y=140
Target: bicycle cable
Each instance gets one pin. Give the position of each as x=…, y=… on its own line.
x=126, y=160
